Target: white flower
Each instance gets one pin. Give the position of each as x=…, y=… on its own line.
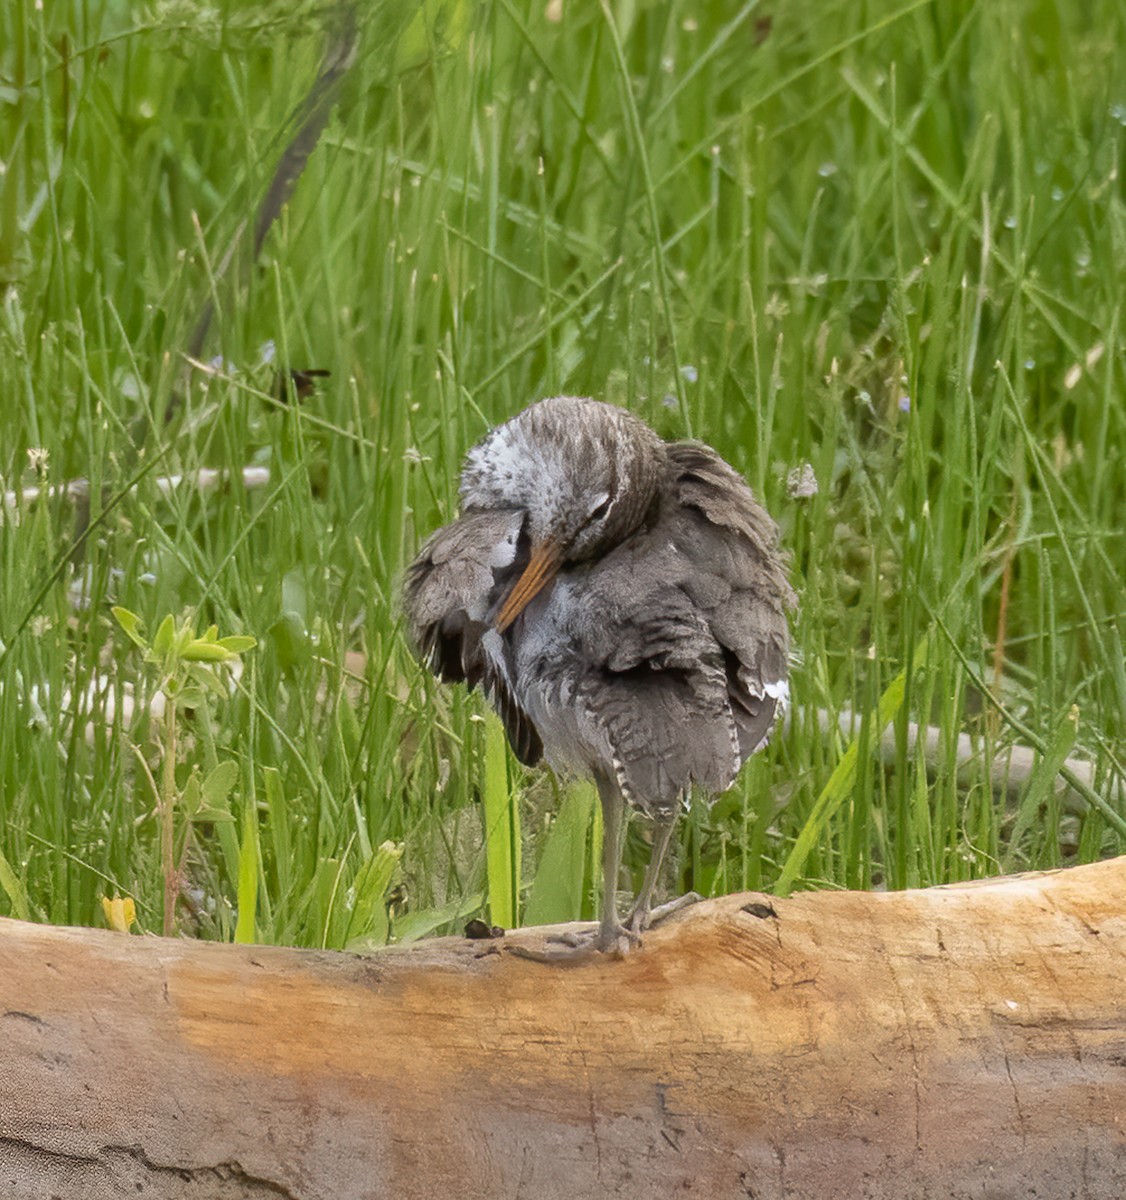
x=801, y=482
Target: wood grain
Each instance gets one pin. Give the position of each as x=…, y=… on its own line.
x=954, y=1042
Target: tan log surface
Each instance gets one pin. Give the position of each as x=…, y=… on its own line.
x=955, y=1042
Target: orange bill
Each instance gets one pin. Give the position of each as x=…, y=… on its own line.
x=541, y=569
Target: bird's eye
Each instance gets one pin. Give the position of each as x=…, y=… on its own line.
x=600, y=509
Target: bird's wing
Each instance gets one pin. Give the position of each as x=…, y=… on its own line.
x=737, y=581
x=448, y=595
x=683, y=630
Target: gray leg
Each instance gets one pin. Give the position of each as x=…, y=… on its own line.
x=638, y=919
x=613, y=828
x=610, y=937
x=642, y=916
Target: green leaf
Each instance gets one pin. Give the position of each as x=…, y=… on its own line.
x=290, y=641
x=371, y=883
x=323, y=901
x=558, y=888
x=206, y=680
x=238, y=644
x=162, y=642
x=219, y=782
x=294, y=600
x=348, y=727
x=186, y=693
x=130, y=624
x=435, y=25
x=214, y=816
x=1041, y=785
x=11, y=884
x=248, y=863
x=198, y=650
x=191, y=800
x=416, y=924
x=278, y=828
x=184, y=636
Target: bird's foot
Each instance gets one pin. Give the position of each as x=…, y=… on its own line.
x=572, y=948
x=645, y=918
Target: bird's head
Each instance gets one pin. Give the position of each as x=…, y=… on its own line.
x=585, y=473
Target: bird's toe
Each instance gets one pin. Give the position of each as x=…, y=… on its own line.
x=618, y=941
x=642, y=919
x=572, y=947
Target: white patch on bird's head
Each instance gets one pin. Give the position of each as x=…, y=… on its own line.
x=583, y=471
x=518, y=465
x=502, y=455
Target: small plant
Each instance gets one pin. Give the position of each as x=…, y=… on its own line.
x=186, y=677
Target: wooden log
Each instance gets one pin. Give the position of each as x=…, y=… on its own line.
x=956, y=1042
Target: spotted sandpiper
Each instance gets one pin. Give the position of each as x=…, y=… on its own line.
x=622, y=600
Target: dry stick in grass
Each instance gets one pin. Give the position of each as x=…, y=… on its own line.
x=205, y=479
x=1009, y=770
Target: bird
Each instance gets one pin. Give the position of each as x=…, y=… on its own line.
x=624, y=604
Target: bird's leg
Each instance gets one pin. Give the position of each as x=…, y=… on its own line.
x=611, y=937
x=643, y=916
x=613, y=828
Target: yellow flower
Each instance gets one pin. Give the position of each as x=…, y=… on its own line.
x=120, y=913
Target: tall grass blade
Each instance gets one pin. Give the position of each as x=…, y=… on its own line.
x=249, y=864
x=501, y=805
x=840, y=783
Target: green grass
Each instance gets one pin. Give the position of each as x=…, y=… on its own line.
x=882, y=239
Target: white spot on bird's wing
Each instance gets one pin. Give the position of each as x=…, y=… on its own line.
x=779, y=690
x=504, y=552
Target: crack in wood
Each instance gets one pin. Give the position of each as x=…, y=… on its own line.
x=112, y=1167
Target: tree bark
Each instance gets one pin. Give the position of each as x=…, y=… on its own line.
x=956, y=1042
